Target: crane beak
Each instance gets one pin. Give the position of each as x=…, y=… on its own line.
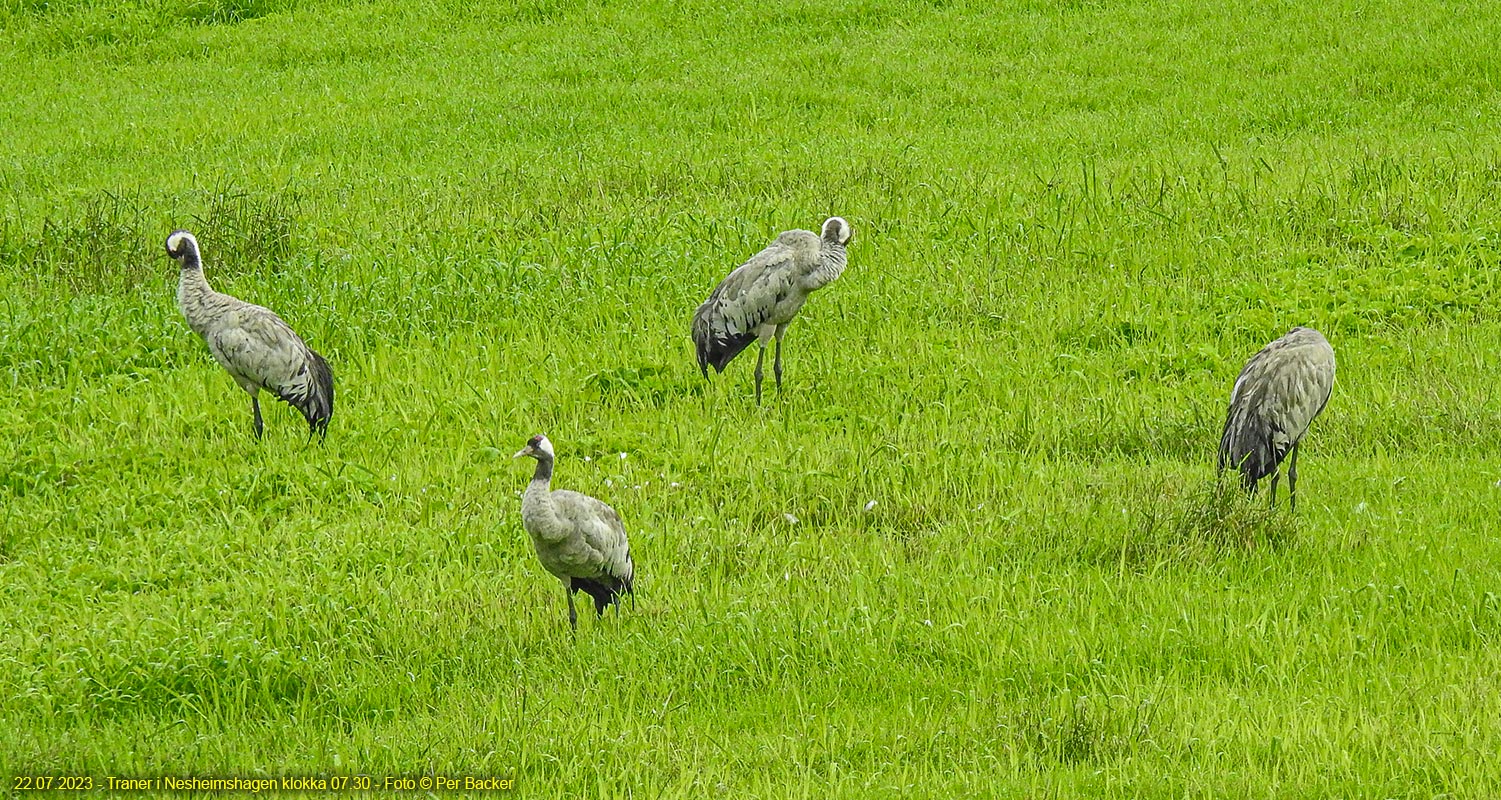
x=525, y=451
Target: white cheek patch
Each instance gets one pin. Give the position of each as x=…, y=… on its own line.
x=176, y=241
x=839, y=228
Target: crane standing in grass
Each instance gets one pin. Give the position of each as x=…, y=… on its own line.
x=253, y=344
x=1276, y=397
x=759, y=299
x=578, y=539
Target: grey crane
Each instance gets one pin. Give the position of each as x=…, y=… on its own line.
x=253, y=344
x=579, y=539
x=1276, y=397
x=759, y=299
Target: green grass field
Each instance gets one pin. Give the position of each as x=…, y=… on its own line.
x=1074, y=222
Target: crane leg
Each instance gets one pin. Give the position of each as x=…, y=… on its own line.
x=760, y=359
x=255, y=406
x=1270, y=454
x=1292, y=478
x=573, y=614
x=315, y=427
x=777, y=365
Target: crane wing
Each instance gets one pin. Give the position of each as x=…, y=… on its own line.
x=1301, y=383
x=745, y=300
x=1276, y=397
x=600, y=550
x=260, y=349
x=1246, y=439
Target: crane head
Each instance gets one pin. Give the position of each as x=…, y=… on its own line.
x=837, y=230
x=181, y=244
x=537, y=447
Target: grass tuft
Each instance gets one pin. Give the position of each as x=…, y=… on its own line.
x=1201, y=522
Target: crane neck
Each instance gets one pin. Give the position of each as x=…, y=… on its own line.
x=830, y=264
x=542, y=478
x=192, y=287
x=192, y=260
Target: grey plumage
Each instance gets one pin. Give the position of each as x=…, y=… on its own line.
x=255, y=346
x=579, y=539
x=1276, y=397
x=759, y=299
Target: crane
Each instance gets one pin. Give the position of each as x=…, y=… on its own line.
x=255, y=346
x=1278, y=394
x=758, y=300
x=578, y=538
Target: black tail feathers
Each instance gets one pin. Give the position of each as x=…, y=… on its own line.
x=716, y=346
x=1254, y=456
x=605, y=590
x=718, y=353
x=318, y=406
